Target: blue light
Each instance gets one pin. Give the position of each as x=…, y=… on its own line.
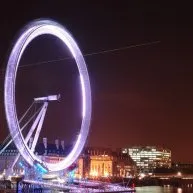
x=39, y=168
x=20, y=163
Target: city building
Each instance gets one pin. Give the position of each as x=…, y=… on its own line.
x=147, y=158
x=185, y=168
x=100, y=162
x=103, y=162
x=179, y=165
x=51, y=153
x=92, y=163
x=124, y=166
x=7, y=158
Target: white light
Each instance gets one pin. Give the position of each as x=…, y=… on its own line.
x=47, y=98
x=142, y=175
x=31, y=31
x=179, y=174
x=83, y=96
x=179, y=190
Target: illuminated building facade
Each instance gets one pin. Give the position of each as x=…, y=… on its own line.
x=148, y=158
x=101, y=165
x=104, y=162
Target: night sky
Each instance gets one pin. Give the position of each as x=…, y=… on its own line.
x=141, y=95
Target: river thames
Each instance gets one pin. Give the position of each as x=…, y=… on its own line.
x=146, y=189
x=159, y=189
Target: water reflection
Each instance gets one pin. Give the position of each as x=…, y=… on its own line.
x=179, y=190
x=148, y=189
x=159, y=189
x=144, y=189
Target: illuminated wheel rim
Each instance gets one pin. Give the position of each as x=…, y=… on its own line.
x=30, y=32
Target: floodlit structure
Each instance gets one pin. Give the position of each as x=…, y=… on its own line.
x=30, y=32
x=105, y=163
x=148, y=158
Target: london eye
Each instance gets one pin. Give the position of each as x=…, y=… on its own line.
x=30, y=32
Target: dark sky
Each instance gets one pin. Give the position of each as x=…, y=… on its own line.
x=141, y=96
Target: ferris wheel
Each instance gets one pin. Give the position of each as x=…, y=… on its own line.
x=30, y=32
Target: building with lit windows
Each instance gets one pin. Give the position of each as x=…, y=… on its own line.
x=100, y=162
x=103, y=162
x=147, y=158
x=92, y=163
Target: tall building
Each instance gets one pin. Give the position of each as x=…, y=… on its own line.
x=147, y=158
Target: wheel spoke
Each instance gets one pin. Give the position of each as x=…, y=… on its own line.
x=45, y=106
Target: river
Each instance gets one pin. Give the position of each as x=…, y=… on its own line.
x=143, y=189
x=150, y=189
x=158, y=189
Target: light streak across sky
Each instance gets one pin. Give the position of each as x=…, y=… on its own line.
x=89, y=54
